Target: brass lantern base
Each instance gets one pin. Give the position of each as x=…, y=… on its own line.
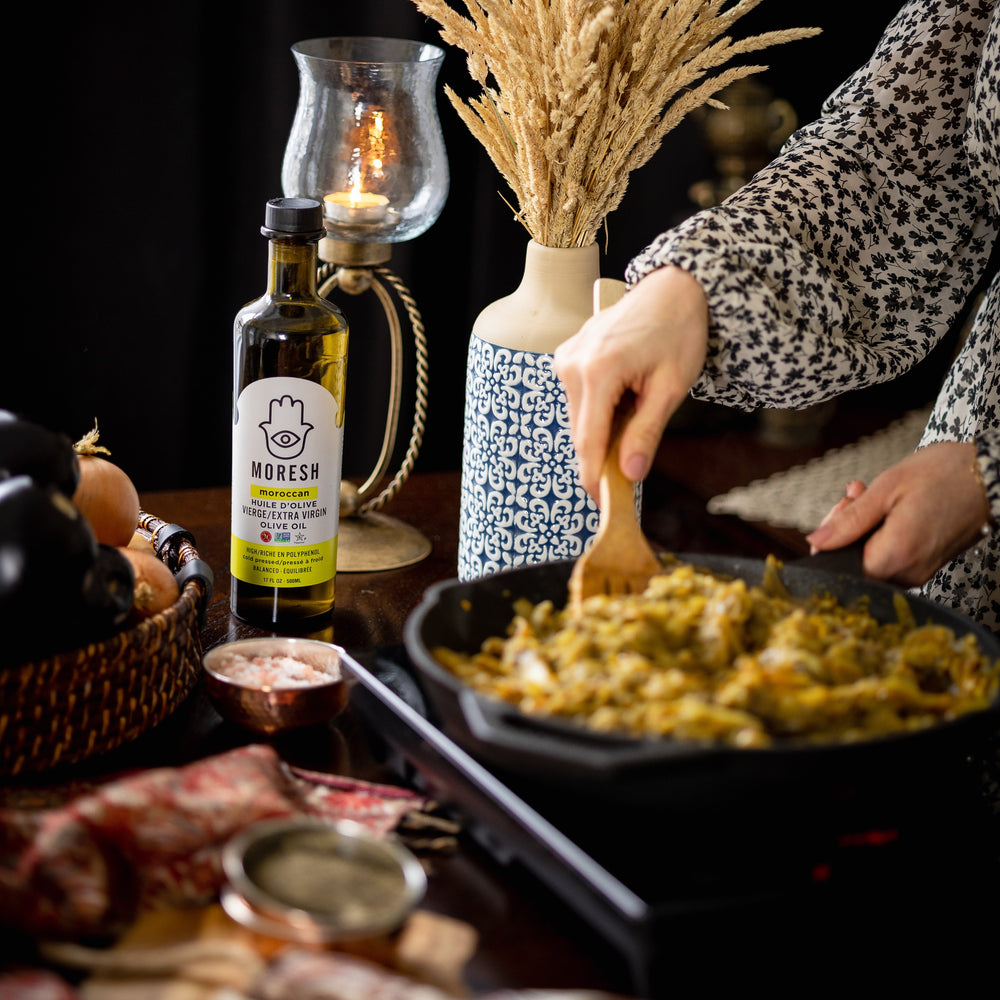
x=370, y=542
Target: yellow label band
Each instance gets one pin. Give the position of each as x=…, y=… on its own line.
x=282, y=565
x=283, y=493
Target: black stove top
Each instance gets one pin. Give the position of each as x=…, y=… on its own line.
x=899, y=867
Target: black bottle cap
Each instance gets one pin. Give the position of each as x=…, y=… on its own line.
x=302, y=217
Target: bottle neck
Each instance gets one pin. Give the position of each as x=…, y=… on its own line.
x=291, y=269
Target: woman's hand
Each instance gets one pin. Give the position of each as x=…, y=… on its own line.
x=652, y=342
x=931, y=507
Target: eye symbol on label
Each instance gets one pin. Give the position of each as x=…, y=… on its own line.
x=285, y=439
x=285, y=429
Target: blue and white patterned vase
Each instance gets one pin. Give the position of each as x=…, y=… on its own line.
x=522, y=502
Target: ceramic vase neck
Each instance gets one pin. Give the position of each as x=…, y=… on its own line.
x=553, y=300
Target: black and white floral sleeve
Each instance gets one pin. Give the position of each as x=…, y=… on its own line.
x=968, y=406
x=966, y=410
x=844, y=261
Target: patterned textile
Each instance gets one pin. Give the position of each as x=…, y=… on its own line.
x=91, y=863
x=801, y=497
x=843, y=262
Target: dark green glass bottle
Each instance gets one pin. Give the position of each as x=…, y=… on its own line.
x=290, y=358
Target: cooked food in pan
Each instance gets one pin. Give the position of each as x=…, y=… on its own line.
x=702, y=657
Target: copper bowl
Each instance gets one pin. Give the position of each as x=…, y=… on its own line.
x=269, y=698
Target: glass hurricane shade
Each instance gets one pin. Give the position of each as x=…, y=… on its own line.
x=366, y=139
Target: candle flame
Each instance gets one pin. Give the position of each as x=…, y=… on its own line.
x=367, y=157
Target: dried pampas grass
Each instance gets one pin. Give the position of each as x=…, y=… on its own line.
x=579, y=93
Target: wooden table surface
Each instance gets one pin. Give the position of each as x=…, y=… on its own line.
x=528, y=938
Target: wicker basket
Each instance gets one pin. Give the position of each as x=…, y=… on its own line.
x=88, y=701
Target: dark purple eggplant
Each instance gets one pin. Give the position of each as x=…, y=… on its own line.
x=59, y=589
x=28, y=449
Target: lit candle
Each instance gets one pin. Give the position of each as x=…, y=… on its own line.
x=355, y=207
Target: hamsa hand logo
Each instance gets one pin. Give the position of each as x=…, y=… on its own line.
x=285, y=429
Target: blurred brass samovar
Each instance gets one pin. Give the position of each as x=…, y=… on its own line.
x=743, y=138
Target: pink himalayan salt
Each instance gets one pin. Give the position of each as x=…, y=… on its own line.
x=275, y=672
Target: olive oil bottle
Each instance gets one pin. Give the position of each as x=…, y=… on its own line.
x=289, y=367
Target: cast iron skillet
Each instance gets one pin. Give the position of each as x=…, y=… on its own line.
x=460, y=615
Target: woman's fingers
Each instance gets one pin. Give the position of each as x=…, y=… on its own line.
x=853, y=516
x=931, y=508
x=592, y=367
x=656, y=401
x=651, y=343
x=852, y=491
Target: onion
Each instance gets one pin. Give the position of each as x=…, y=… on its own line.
x=141, y=542
x=155, y=586
x=105, y=495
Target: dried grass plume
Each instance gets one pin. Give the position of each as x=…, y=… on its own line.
x=576, y=94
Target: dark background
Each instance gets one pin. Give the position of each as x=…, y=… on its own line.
x=151, y=138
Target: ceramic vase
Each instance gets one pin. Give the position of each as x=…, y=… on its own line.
x=522, y=502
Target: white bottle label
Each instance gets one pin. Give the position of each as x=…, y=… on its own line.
x=287, y=449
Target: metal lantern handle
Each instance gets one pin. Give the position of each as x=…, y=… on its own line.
x=354, y=281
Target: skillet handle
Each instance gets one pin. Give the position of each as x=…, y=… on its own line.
x=845, y=561
x=504, y=728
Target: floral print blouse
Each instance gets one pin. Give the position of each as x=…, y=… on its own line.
x=849, y=257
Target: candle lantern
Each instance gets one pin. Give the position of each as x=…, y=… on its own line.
x=366, y=142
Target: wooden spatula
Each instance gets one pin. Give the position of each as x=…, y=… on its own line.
x=620, y=560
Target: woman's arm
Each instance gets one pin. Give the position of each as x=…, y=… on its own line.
x=844, y=261
x=839, y=265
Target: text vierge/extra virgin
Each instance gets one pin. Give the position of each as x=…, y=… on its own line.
x=283, y=513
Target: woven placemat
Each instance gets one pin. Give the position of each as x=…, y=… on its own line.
x=800, y=497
